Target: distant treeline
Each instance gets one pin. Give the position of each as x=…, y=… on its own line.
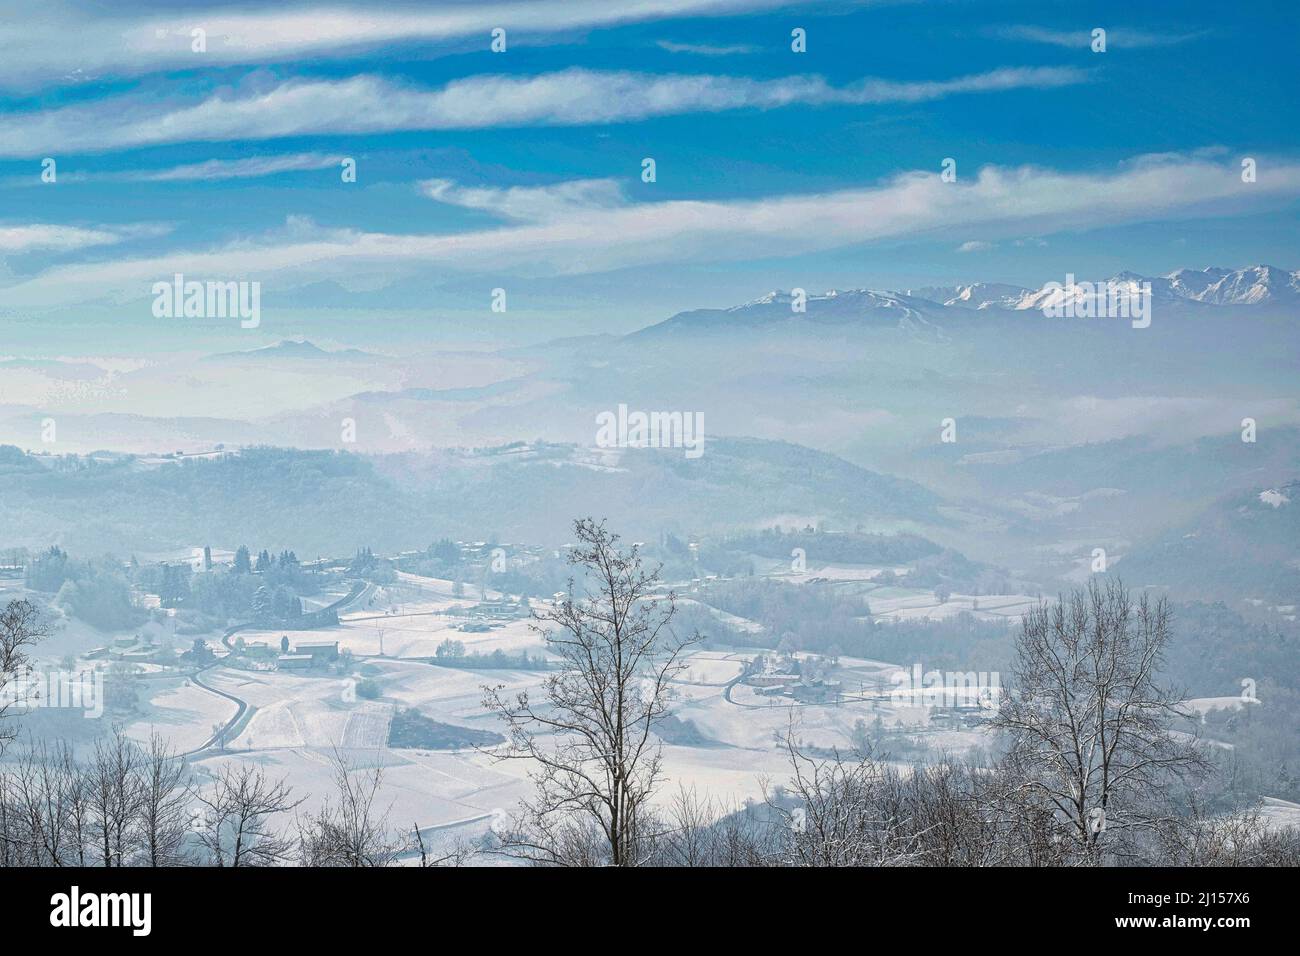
x=821, y=619
x=99, y=591
x=452, y=653
x=96, y=591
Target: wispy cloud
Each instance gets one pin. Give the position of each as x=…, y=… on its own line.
x=46, y=237
x=704, y=49
x=590, y=228
x=368, y=104
x=212, y=170
x=564, y=200
x=219, y=169
x=58, y=43
x=1120, y=37
x=975, y=245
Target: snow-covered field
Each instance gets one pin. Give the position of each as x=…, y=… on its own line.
x=899, y=604
x=412, y=629
x=712, y=668
x=419, y=788
x=1280, y=813
x=1203, y=705
x=181, y=712
x=297, y=722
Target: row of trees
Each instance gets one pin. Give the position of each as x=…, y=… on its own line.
x=865, y=811
x=139, y=806
x=287, y=561
x=124, y=806
x=142, y=805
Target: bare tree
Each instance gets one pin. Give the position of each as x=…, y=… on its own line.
x=349, y=831
x=74, y=785
x=163, y=817
x=846, y=811
x=236, y=827
x=35, y=798
x=688, y=840
x=45, y=813
x=459, y=854
x=591, y=738
x=112, y=797
x=21, y=626
x=1088, y=721
x=695, y=830
x=11, y=830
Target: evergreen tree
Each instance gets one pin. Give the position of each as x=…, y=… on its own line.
x=261, y=602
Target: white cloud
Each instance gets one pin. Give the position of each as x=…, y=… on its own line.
x=975, y=245
x=530, y=203
x=361, y=104
x=62, y=43
x=1082, y=38
x=218, y=169
x=584, y=227
x=43, y=237
x=704, y=49
x=211, y=170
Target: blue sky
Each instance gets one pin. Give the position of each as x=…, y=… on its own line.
x=521, y=169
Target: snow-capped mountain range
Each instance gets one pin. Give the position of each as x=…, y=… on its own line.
x=925, y=309
x=1252, y=285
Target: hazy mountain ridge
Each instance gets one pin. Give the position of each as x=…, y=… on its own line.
x=1070, y=434
x=294, y=350
x=335, y=502
x=849, y=306
x=1244, y=546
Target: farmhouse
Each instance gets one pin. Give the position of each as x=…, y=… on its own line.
x=817, y=692
x=320, y=653
x=772, y=680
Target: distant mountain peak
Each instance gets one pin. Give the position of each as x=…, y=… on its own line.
x=297, y=346
x=1253, y=284
x=293, y=349
x=974, y=295
x=776, y=295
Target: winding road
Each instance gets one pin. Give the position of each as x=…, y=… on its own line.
x=243, y=707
